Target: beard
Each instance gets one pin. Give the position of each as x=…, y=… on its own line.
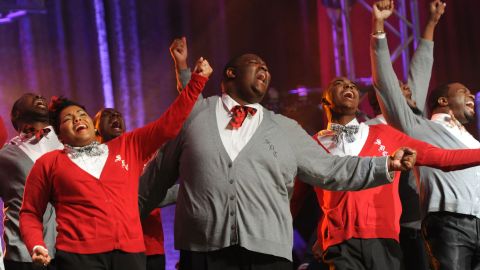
x=469, y=117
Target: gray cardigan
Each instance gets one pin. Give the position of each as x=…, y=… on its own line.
x=457, y=191
x=14, y=168
x=246, y=202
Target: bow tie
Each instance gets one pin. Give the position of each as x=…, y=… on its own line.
x=346, y=131
x=239, y=113
x=90, y=150
x=38, y=134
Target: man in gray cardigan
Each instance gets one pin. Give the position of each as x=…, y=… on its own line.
x=36, y=137
x=237, y=175
x=449, y=201
x=411, y=240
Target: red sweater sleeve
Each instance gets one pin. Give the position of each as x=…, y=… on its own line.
x=444, y=159
x=3, y=132
x=150, y=137
x=35, y=198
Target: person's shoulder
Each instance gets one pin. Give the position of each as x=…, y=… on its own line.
x=280, y=119
x=52, y=155
x=383, y=130
x=9, y=151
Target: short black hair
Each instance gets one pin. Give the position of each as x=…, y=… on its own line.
x=56, y=106
x=438, y=92
x=232, y=63
x=15, y=114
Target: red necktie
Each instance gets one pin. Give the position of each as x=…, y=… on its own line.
x=238, y=115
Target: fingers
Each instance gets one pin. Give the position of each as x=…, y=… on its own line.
x=403, y=159
x=203, y=68
x=383, y=9
x=40, y=256
x=437, y=8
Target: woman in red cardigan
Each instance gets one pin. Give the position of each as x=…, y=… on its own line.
x=94, y=187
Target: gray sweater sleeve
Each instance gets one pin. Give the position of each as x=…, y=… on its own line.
x=183, y=78
x=317, y=167
x=392, y=102
x=420, y=72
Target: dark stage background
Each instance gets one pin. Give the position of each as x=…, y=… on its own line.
x=116, y=52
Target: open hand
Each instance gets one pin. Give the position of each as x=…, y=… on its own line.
x=179, y=52
x=203, y=68
x=402, y=160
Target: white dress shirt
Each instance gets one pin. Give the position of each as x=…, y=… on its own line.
x=344, y=148
x=456, y=129
x=235, y=139
x=35, y=149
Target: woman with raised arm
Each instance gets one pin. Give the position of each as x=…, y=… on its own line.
x=94, y=187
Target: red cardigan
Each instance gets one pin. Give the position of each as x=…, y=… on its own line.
x=375, y=212
x=3, y=132
x=100, y=215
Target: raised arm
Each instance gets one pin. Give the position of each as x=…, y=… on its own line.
x=422, y=61
x=432, y=156
x=331, y=172
x=150, y=137
x=179, y=52
x=35, y=199
x=393, y=104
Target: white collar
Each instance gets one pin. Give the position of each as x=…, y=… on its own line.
x=20, y=139
x=229, y=103
x=351, y=123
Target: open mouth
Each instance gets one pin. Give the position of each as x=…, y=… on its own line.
x=348, y=95
x=80, y=127
x=115, y=125
x=470, y=105
x=40, y=103
x=262, y=77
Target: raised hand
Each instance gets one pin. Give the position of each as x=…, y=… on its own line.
x=402, y=160
x=179, y=52
x=40, y=256
x=437, y=8
x=383, y=9
x=203, y=68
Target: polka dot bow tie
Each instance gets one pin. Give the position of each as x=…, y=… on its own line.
x=346, y=131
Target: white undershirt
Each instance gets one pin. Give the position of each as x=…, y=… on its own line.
x=458, y=131
x=34, y=149
x=235, y=139
x=91, y=164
